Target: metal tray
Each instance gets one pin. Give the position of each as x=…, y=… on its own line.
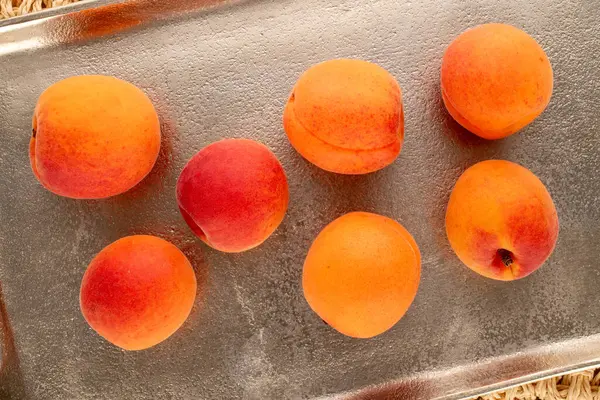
x=219, y=69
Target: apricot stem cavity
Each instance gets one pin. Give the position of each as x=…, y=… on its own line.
x=506, y=257
x=518, y=237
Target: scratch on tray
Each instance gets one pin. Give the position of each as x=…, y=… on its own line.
x=246, y=309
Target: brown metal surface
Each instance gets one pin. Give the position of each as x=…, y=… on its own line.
x=219, y=69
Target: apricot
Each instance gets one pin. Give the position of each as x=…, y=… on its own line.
x=346, y=116
x=361, y=274
x=138, y=291
x=501, y=221
x=496, y=79
x=233, y=194
x=93, y=137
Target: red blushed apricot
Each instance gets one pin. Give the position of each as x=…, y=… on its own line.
x=346, y=116
x=361, y=274
x=138, y=291
x=501, y=221
x=233, y=194
x=93, y=137
x=495, y=80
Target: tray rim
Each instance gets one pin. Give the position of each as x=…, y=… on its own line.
x=590, y=344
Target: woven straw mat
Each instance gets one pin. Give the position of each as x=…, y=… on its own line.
x=14, y=8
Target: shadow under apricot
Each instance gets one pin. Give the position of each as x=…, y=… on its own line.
x=155, y=179
x=12, y=385
x=456, y=132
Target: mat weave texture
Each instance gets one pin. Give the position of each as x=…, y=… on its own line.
x=582, y=385
x=14, y=8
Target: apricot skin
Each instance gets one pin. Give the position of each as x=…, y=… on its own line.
x=346, y=116
x=93, y=137
x=138, y=291
x=501, y=221
x=233, y=194
x=495, y=80
x=361, y=274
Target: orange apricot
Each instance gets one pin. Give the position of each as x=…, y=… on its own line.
x=346, y=116
x=501, y=221
x=361, y=274
x=233, y=194
x=138, y=291
x=93, y=137
x=495, y=80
